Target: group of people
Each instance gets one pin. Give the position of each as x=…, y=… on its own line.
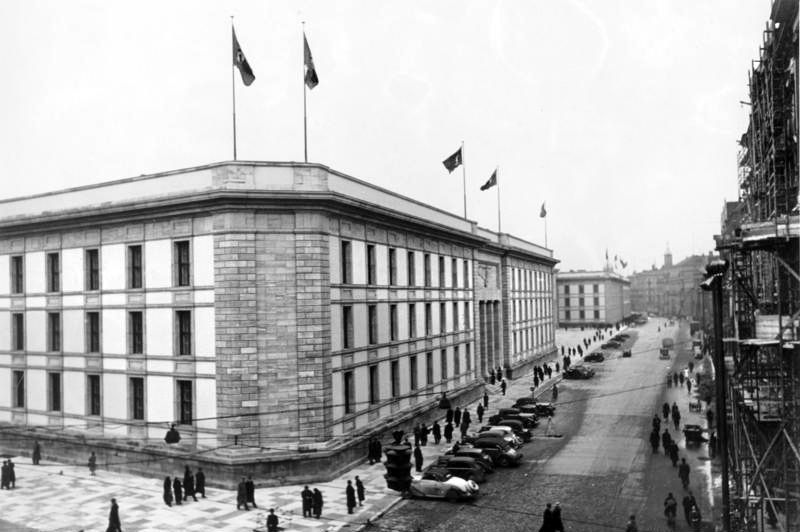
x=350, y=494
x=8, y=478
x=312, y=502
x=551, y=519
x=691, y=511
x=177, y=491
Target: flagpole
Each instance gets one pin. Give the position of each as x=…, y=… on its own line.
x=233, y=91
x=498, y=200
x=464, y=177
x=545, y=230
x=305, y=119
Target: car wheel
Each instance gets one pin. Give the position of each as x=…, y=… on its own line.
x=502, y=461
x=472, y=485
x=451, y=496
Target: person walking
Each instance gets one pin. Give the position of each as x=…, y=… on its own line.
x=670, y=509
x=241, y=495
x=464, y=428
x=448, y=417
x=250, y=489
x=359, y=491
x=630, y=526
x=676, y=417
x=688, y=385
x=448, y=432
x=114, y=524
x=547, y=520
x=710, y=417
x=479, y=411
x=12, y=476
x=683, y=473
x=92, y=463
x=535, y=379
x=4, y=476
x=675, y=379
x=177, y=489
x=485, y=399
x=665, y=411
x=418, y=458
x=555, y=393
x=673, y=453
x=688, y=503
x=436, y=430
x=503, y=386
x=457, y=417
x=188, y=484
x=423, y=434
x=371, y=450
x=417, y=434
x=712, y=445
x=466, y=419
x=272, y=521
x=350, y=495
x=308, y=501
x=681, y=378
x=168, y=492
x=666, y=439
x=654, y=440
x=316, y=503
x=200, y=482
x=657, y=423
x=37, y=452
x=558, y=525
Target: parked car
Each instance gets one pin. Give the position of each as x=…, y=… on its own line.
x=502, y=437
x=626, y=354
x=611, y=344
x=518, y=428
x=440, y=484
x=476, y=454
x=462, y=466
x=597, y=356
x=502, y=454
x=579, y=372
x=505, y=430
x=540, y=409
x=528, y=419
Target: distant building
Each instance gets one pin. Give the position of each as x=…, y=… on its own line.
x=591, y=298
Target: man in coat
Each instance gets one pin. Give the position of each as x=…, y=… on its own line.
x=200, y=482
x=250, y=489
x=12, y=476
x=316, y=504
x=480, y=411
x=308, y=501
x=448, y=432
x=673, y=453
x=547, y=520
x=272, y=521
x=666, y=439
x=37, y=452
x=503, y=386
x=558, y=526
x=437, y=432
x=683, y=473
x=417, y=459
x=448, y=418
x=168, y=492
x=350, y=494
x=4, y=476
x=114, y=524
x=688, y=503
x=177, y=489
x=241, y=495
x=457, y=416
x=359, y=490
x=485, y=399
x=423, y=434
x=654, y=440
x=188, y=484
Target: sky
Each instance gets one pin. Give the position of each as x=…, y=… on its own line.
x=621, y=115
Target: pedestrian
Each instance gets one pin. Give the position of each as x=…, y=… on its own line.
x=654, y=439
x=689, y=386
x=37, y=452
x=688, y=503
x=656, y=423
x=371, y=450
x=549, y=372
x=479, y=411
x=448, y=432
x=491, y=377
x=92, y=463
x=418, y=458
x=665, y=411
x=485, y=399
x=457, y=416
x=4, y=476
x=448, y=417
x=12, y=476
x=683, y=473
x=417, y=434
x=316, y=503
x=423, y=434
x=241, y=495
x=562, y=350
x=675, y=411
x=681, y=378
x=673, y=453
x=376, y=455
x=350, y=494
x=464, y=429
x=200, y=482
x=547, y=520
x=666, y=439
x=466, y=418
x=397, y=436
x=188, y=484
x=168, y=492
x=670, y=509
x=535, y=380
x=503, y=386
x=691, y=366
x=675, y=380
x=499, y=373
x=114, y=524
x=631, y=525
x=558, y=526
x=555, y=393
x=710, y=417
x=308, y=501
x=712, y=445
x=272, y=521
x=250, y=489
x=360, y=490
x=177, y=489
x=437, y=432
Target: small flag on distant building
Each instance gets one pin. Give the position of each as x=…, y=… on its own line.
x=311, y=73
x=624, y=264
x=454, y=161
x=491, y=182
x=606, y=254
x=542, y=212
x=240, y=62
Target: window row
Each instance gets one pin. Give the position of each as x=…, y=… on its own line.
x=184, y=400
x=531, y=280
x=449, y=366
x=568, y=315
x=532, y=338
x=581, y=301
x=581, y=288
x=528, y=309
x=389, y=261
x=181, y=261
x=377, y=326
x=182, y=337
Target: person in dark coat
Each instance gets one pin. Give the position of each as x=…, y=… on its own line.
x=657, y=423
x=371, y=451
x=535, y=380
x=316, y=503
x=457, y=416
x=449, y=416
x=448, y=432
x=173, y=436
x=417, y=458
x=177, y=489
x=272, y=521
x=350, y=494
x=665, y=411
x=359, y=490
x=308, y=501
x=423, y=434
x=666, y=439
x=417, y=434
x=683, y=473
x=712, y=445
x=558, y=526
x=479, y=411
x=710, y=417
x=688, y=502
x=188, y=484
x=92, y=463
x=485, y=399
x=168, y=492
x=558, y=368
x=689, y=386
x=547, y=520
x=673, y=453
x=466, y=418
x=491, y=378
x=555, y=392
x=114, y=524
x=676, y=417
x=654, y=440
x=12, y=476
x=503, y=386
x=250, y=488
x=464, y=429
x=200, y=482
x=37, y=452
x=437, y=432
x=4, y=476
x=241, y=495
x=378, y=450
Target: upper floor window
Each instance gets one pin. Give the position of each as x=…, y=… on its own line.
x=183, y=263
x=412, y=320
x=580, y=288
x=428, y=320
x=374, y=385
x=428, y=368
x=53, y=272
x=183, y=328
x=392, y=322
x=347, y=327
x=54, y=391
x=137, y=397
x=442, y=318
x=467, y=317
x=412, y=372
x=135, y=266
x=455, y=315
x=19, y=389
x=411, y=268
x=17, y=275
x=371, y=266
x=18, y=331
x=92, y=267
x=443, y=363
x=566, y=289
x=92, y=332
x=392, y=266
x=54, y=331
x=466, y=274
x=136, y=332
x=441, y=272
x=346, y=262
x=394, y=368
x=93, y=392
x=454, y=273
x=372, y=318
x=595, y=288
x=426, y=259
x=185, y=403
x=349, y=392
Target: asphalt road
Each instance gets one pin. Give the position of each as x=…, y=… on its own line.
x=602, y=468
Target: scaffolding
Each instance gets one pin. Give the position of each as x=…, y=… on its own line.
x=759, y=238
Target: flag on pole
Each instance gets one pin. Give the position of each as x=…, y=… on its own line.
x=311, y=73
x=240, y=62
x=543, y=211
x=624, y=264
x=606, y=253
x=491, y=182
x=454, y=161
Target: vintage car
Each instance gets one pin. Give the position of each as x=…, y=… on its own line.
x=626, y=354
x=473, y=452
x=462, y=466
x=663, y=353
x=597, y=356
x=517, y=427
x=502, y=454
x=529, y=420
x=529, y=405
x=504, y=430
x=502, y=437
x=694, y=434
x=611, y=344
x=440, y=484
x=579, y=372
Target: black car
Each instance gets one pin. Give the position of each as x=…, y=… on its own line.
x=579, y=372
x=518, y=427
x=540, y=409
x=493, y=436
x=503, y=455
x=626, y=353
x=476, y=454
x=527, y=420
x=597, y=356
x=611, y=344
x=462, y=467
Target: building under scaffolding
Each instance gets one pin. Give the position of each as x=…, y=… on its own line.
x=759, y=238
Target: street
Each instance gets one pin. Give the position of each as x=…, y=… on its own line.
x=602, y=469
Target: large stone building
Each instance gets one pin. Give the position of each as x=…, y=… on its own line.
x=591, y=298
x=281, y=306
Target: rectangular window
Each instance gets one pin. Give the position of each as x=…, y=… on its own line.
x=580, y=288
x=597, y=302
x=454, y=273
x=54, y=391
x=19, y=389
x=371, y=273
x=135, y=266
x=374, y=385
x=467, y=316
x=566, y=289
x=392, y=322
x=441, y=272
x=137, y=397
x=455, y=315
x=53, y=272
x=582, y=314
x=183, y=264
x=411, y=269
x=394, y=368
x=412, y=372
x=17, y=279
x=17, y=331
x=427, y=264
x=468, y=356
x=349, y=392
x=428, y=320
x=456, y=361
x=566, y=302
x=92, y=267
x=372, y=319
x=347, y=327
x=136, y=331
x=346, y=262
x=443, y=363
x=93, y=391
x=92, y=332
x=597, y=314
x=466, y=274
x=595, y=288
x=53, y=331
x=428, y=368
x=392, y=266
x=185, y=403
x=183, y=325
x=442, y=318
x=412, y=320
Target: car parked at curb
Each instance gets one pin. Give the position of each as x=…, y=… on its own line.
x=502, y=437
x=502, y=455
x=461, y=466
x=505, y=430
x=531, y=405
x=473, y=452
x=441, y=484
x=579, y=372
x=597, y=356
x=519, y=430
x=611, y=344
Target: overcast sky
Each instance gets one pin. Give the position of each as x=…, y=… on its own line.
x=623, y=115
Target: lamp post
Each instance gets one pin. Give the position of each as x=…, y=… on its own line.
x=715, y=273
